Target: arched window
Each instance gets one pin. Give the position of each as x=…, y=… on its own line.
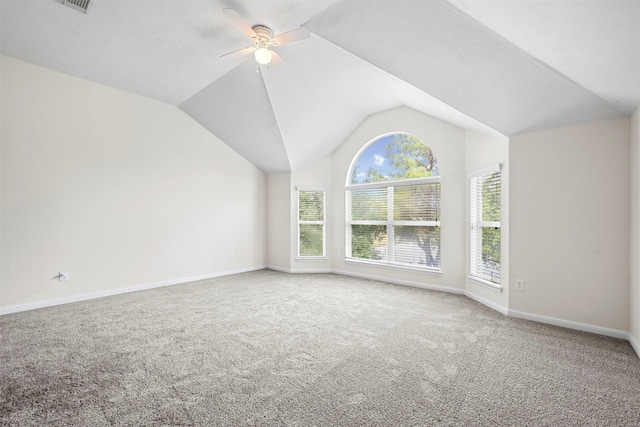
x=393, y=203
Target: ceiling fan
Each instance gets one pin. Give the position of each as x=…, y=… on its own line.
x=263, y=39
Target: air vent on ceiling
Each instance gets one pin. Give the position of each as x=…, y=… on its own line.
x=80, y=5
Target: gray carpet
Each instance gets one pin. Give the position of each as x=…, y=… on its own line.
x=267, y=348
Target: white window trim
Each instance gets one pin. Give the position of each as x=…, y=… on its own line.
x=496, y=224
x=396, y=183
x=311, y=258
x=394, y=266
x=485, y=171
x=323, y=223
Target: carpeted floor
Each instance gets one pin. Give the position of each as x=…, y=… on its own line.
x=267, y=348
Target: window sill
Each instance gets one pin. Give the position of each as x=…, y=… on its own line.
x=489, y=285
x=390, y=266
x=311, y=258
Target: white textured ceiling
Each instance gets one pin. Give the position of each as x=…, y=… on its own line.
x=495, y=66
x=594, y=43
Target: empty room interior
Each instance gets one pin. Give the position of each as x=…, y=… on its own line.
x=320, y=212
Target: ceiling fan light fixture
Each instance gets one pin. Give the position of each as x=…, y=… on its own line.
x=261, y=36
x=263, y=55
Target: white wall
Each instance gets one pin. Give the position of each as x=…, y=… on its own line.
x=279, y=221
x=569, y=219
x=481, y=151
x=117, y=189
x=635, y=230
x=448, y=143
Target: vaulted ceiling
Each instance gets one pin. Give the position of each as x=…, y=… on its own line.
x=499, y=66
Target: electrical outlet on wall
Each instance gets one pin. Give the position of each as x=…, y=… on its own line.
x=520, y=285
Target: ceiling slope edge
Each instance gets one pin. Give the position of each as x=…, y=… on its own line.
x=316, y=111
x=533, y=58
x=588, y=41
x=417, y=99
x=236, y=108
x=263, y=69
x=461, y=62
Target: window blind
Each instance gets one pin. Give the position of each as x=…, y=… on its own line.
x=417, y=202
x=485, y=235
x=311, y=223
x=398, y=224
x=369, y=204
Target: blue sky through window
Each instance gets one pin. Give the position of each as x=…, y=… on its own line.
x=374, y=157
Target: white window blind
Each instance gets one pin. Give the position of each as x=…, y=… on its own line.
x=311, y=223
x=398, y=223
x=485, y=231
x=368, y=214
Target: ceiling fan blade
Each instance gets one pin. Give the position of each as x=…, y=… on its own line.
x=236, y=19
x=276, y=59
x=291, y=36
x=238, y=53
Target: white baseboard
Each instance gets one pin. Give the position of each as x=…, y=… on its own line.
x=118, y=291
x=317, y=270
x=615, y=333
x=280, y=269
x=300, y=270
x=401, y=282
x=634, y=343
x=488, y=303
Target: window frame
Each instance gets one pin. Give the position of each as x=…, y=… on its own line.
x=476, y=226
x=390, y=223
x=323, y=222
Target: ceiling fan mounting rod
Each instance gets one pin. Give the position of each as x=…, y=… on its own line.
x=264, y=36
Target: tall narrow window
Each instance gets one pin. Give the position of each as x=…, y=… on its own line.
x=311, y=222
x=485, y=193
x=393, y=204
